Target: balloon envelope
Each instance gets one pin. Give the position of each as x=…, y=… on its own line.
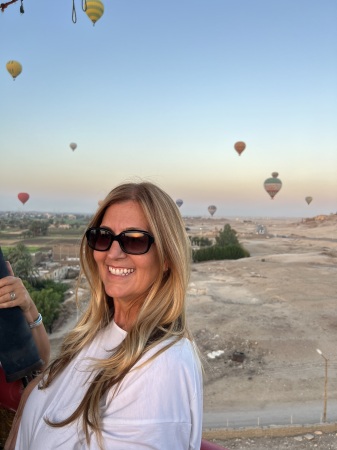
x=23, y=197
x=239, y=147
x=179, y=202
x=308, y=200
x=212, y=209
x=95, y=10
x=73, y=146
x=14, y=68
x=272, y=185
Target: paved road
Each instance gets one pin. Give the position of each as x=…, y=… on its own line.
x=278, y=414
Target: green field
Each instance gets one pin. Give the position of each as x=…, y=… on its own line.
x=60, y=241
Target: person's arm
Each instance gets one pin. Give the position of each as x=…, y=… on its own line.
x=13, y=293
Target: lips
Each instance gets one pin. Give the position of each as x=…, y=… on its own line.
x=120, y=271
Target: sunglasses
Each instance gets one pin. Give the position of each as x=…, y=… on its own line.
x=133, y=242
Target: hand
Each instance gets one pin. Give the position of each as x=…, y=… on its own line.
x=13, y=292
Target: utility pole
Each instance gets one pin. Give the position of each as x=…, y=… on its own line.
x=325, y=383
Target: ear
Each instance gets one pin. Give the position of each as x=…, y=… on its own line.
x=166, y=266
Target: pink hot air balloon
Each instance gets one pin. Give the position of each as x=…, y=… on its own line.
x=23, y=197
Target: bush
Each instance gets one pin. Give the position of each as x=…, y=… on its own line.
x=216, y=252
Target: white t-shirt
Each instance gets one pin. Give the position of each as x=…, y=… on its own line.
x=157, y=407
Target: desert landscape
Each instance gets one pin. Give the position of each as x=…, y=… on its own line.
x=258, y=323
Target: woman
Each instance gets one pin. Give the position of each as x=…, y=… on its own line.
x=128, y=376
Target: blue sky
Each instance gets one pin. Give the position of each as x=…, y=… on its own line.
x=161, y=90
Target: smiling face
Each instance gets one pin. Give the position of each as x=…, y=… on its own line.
x=126, y=277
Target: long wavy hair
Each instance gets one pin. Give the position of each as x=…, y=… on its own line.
x=161, y=315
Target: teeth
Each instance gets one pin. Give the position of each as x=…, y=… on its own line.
x=121, y=272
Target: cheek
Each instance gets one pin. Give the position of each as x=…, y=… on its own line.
x=154, y=271
x=98, y=257
x=99, y=260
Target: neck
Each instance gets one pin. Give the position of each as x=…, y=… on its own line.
x=124, y=314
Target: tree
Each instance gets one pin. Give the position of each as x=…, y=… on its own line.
x=39, y=227
x=226, y=237
x=48, y=303
x=47, y=296
x=22, y=262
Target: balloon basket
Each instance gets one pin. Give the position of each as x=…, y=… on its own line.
x=6, y=420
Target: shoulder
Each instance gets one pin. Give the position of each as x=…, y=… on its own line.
x=175, y=363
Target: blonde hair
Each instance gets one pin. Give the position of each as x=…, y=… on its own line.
x=161, y=315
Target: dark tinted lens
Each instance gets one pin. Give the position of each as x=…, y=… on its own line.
x=99, y=239
x=135, y=242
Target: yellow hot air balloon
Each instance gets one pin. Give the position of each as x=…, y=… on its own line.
x=95, y=10
x=14, y=68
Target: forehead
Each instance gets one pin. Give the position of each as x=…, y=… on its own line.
x=121, y=216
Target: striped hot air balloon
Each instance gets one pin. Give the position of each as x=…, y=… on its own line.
x=212, y=209
x=272, y=185
x=95, y=10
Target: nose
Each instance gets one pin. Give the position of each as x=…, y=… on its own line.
x=115, y=251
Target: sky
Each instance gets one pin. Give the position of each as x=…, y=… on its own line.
x=160, y=90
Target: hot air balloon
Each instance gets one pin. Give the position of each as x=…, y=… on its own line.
x=239, y=147
x=14, y=68
x=95, y=10
x=73, y=146
x=23, y=197
x=212, y=209
x=179, y=202
x=308, y=200
x=272, y=185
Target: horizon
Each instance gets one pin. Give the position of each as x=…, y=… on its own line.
x=195, y=216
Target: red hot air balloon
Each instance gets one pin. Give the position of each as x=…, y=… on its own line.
x=23, y=197
x=272, y=185
x=239, y=147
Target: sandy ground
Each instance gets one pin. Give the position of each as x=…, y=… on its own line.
x=271, y=311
